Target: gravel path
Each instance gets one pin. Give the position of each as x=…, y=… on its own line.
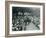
x=31, y=26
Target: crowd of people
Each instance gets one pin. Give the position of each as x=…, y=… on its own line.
x=20, y=22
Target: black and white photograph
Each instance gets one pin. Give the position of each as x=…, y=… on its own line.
x=25, y=18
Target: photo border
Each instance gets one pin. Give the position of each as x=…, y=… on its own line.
x=7, y=3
